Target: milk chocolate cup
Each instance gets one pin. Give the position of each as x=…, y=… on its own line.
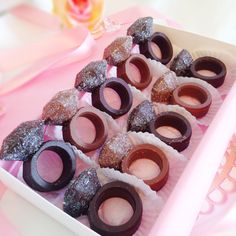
x=124, y=92
x=176, y=121
x=211, y=64
x=121, y=190
x=31, y=174
x=125, y=72
x=196, y=91
x=163, y=42
x=71, y=133
x=153, y=153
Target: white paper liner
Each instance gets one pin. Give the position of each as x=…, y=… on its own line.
x=177, y=161
x=228, y=59
x=197, y=133
x=216, y=99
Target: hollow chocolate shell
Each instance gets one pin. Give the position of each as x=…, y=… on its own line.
x=71, y=133
x=197, y=92
x=31, y=174
x=211, y=64
x=124, y=71
x=150, y=152
x=176, y=121
x=116, y=189
x=122, y=89
x=181, y=63
x=164, y=44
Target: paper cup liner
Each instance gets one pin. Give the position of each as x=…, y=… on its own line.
x=197, y=133
x=177, y=161
x=216, y=99
x=229, y=61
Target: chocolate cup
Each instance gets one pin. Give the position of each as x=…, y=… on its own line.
x=151, y=152
x=36, y=182
x=193, y=90
x=71, y=135
x=163, y=42
x=124, y=71
x=116, y=189
x=176, y=121
x=211, y=64
x=124, y=92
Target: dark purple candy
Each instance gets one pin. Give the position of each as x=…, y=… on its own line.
x=80, y=193
x=181, y=63
x=91, y=76
x=141, y=29
x=61, y=107
x=140, y=117
x=23, y=141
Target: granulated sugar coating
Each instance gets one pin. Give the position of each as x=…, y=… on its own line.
x=181, y=63
x=114, y=151
x=119, y=50
x=140, y=117
x=80, y=193
x=23, y=141
x=141, y=29
x=61, y=107
x=91, y=76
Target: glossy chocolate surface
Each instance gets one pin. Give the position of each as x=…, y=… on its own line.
x=176, y=121
x=116, y=189
x=122, y=89
x=31, y=174
x=196, y=91
x=151, y=152
x=211, y=64
x=125, y=71
x=163, y=42
x=70, y=131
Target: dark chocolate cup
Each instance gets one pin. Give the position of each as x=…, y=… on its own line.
x=151, y=152
x=124, y=71
x=71, y=135
x=163, y=42
x=176, y=121
x=116, y=189
x=211, y=64
x=31, y=174
x=124, y=92
x=193, y=90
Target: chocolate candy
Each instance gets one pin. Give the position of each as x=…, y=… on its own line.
x=116, y=189
x=164, y=44
x=32, y=176
x=114, y=151
x=181, y=63
x=71, y=133
x=61, y=107
x=211, y=64
x=80, y=192
x=140, y=117
x=163, y=88
x=176, y=121
x=118, y=51
x=91, y=76
x=124, y=92
x=150, y=152
x=141, y=29
x=124, y=71
x=197, y=92
x=23, y=141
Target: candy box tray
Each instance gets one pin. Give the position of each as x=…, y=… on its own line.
x=181, y=209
